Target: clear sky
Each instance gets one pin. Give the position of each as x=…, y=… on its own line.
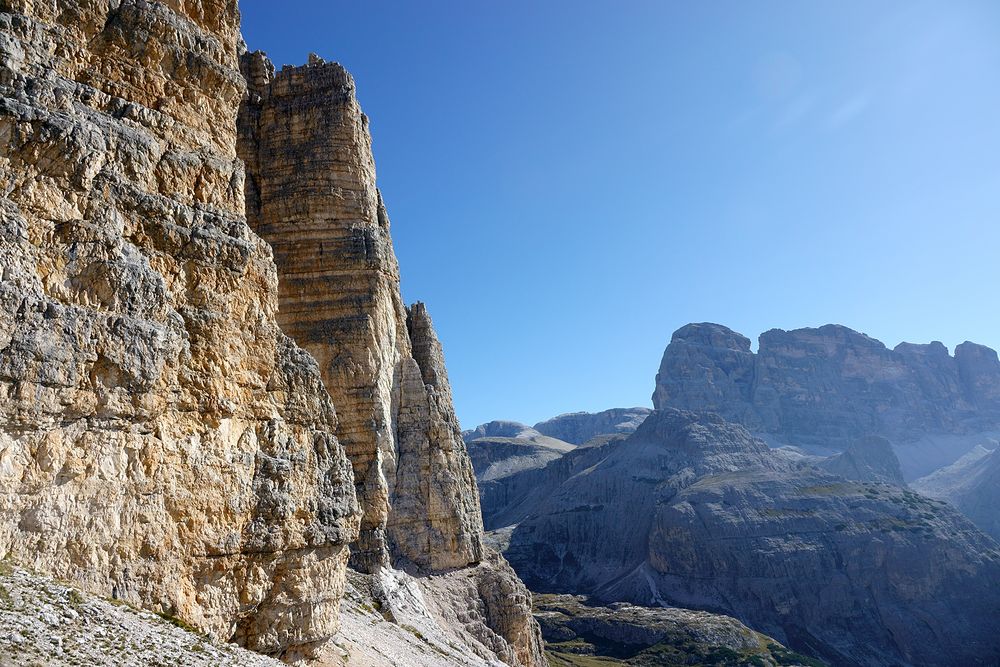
x=570, y=181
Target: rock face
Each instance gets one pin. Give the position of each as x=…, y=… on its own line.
x=869, y=459
x=972, y=484
x=579, y=632
x=161, y=440
x=825, y=388
x=502, y=448
x=311, y=193
x=579, y=427
x=854, y=573
x=391, y=619
x=509, y=490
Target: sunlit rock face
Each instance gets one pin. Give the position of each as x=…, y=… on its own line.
x=826, y=388
x=161, y=441
x=311, y=193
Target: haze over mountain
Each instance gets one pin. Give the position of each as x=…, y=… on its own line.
x=821, y=389
x=830, y=554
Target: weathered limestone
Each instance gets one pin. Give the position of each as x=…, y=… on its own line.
x=435, y=521
x=161, y=440
x=311, y=193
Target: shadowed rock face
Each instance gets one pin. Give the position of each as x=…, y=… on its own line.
x=828, y=387
x=693, y=511
x=516, y=464
x=161, y=441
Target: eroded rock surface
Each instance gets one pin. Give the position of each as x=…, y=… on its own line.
x=53, y=624
x=825, y=388
x=311, y=193
x=161, y=440
x=693, y=511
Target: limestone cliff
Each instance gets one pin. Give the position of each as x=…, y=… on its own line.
x=826, y=388
x=311, y=193
x=161, y=440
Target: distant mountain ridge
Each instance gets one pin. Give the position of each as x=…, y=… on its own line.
x=818, y=544
x=823, y=388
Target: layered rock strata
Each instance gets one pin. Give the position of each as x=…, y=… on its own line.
x=825, y=388
x=161, y=441
x=311, y=193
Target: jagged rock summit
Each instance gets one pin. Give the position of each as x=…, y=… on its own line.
x=311, y=194
x=825, y=388
x=173, y=208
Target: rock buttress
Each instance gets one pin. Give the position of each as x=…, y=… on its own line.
x=311, y=193
x=435, y=503
x=161, y=440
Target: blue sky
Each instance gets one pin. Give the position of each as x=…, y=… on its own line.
x=570, y=182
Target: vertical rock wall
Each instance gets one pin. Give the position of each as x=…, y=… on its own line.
x=311, y=193
x=435, y=513
x=161, y=441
